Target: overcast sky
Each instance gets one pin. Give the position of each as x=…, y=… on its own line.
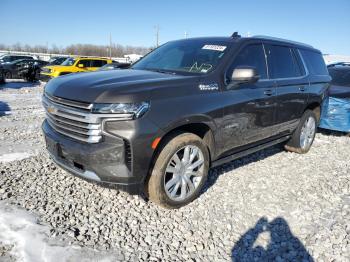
x=325, y=24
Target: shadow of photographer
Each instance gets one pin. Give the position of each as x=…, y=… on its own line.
x=282, y=244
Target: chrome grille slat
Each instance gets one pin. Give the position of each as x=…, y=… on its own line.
x=74, y=123
x=70, y=118
x=75, y=129
x=71, y=103
x=76, y=136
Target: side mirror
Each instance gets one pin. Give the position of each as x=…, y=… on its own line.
x=80, y=65
x=243, y=75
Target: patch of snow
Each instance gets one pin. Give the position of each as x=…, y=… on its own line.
x=13, y=157
x=20, y=229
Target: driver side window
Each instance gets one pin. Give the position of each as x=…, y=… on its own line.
x=251, y=55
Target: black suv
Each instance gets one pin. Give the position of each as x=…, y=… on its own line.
x=10, y=58
x=189, y=105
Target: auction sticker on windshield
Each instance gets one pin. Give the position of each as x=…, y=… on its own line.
x=214, y=47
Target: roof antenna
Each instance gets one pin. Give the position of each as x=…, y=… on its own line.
x=235, y=35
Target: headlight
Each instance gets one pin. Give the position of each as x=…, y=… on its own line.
x=134, y=110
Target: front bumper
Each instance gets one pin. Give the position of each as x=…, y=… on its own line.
x=105, y=163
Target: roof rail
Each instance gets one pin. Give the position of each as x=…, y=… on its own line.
x=281, y=39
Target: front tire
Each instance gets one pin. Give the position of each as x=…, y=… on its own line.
x=303, y=137
x=180, y=171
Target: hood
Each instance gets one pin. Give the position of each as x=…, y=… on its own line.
x=106, y=86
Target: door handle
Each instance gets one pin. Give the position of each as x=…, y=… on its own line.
x=268, y=92
x=302, y=88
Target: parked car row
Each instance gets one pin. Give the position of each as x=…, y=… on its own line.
x=31, y=69
x=80, y=64
x=23, y=66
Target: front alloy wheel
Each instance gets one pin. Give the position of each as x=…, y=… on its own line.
x=184, y=173
x=180, y=170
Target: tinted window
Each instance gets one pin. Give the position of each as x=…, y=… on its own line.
x=7, y=59
x=13, y=58
x=252, y=55
x=340, y=77
x=98, y=63
x=85, y=63
x=282, y=62
x=314, y=62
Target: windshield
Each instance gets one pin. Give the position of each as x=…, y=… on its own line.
x=5, y=58
x=68, y=62
x=192, y=56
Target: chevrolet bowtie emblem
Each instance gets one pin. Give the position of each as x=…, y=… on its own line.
x=51, y=109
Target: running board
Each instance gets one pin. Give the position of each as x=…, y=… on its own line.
x=248, y=151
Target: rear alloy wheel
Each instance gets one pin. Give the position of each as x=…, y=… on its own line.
x=307, y=133
x=304, y=135
x=179, y=172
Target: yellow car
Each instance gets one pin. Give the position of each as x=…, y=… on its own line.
x=74, y=65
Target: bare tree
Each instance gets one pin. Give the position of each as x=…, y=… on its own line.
x=117, y=50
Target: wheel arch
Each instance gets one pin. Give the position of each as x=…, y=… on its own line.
x=203, y=130
x=316, y=108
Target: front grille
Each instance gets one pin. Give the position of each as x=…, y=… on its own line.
x=73, y=119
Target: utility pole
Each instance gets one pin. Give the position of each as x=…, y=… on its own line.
x=186, y=35
x=157, y=35
x=110, y=46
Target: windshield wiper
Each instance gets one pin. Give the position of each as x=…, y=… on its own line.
x=161, y=71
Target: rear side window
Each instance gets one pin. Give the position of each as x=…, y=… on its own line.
x=282, y=62
x=252, y=55
x=85, y=63
x=98, y=63
x=314, y=62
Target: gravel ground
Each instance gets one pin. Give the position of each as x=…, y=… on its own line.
x=271, y=205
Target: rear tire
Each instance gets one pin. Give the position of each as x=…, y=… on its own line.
x=303, y=137
x=179, y=172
